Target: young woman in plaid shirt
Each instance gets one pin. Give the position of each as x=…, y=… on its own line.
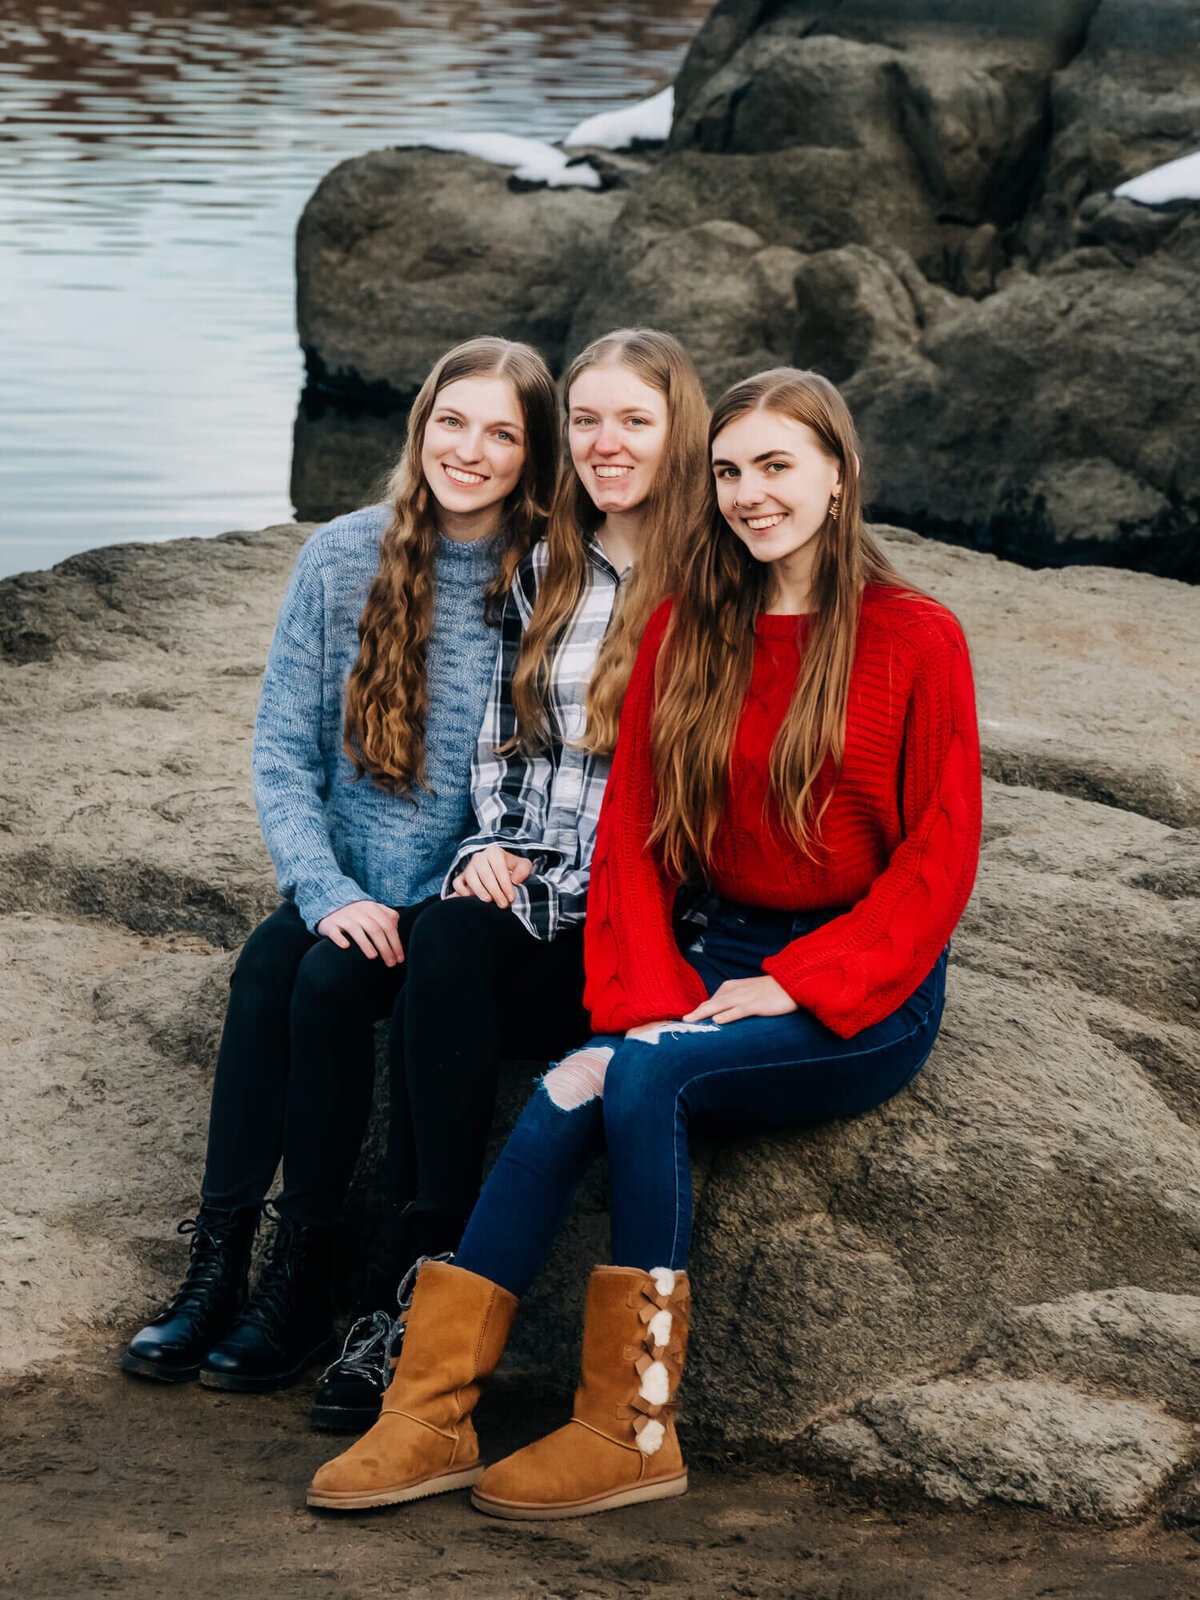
x=495, y=970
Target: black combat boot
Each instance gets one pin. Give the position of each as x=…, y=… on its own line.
x=172, y=1346
x=287, y=1323
x=351, y=1390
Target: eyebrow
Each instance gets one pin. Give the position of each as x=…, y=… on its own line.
x=514, y=427
x=767, y=455
x=625, y=411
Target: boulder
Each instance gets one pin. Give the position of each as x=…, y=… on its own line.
x=1028, y=1444
x=1128, y=101
x=1054, y=419
x=948, y=105
x=855, y=306
x=1127, y=1341
x=994, y=1270
x=402, y=253
x=717, y=286
x=913, y=196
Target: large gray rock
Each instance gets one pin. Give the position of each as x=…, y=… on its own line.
x=949, y=105
x=1128, y=101
x=1029, y=1444
x=402, y=253
x=841, y=184
x=1055, y=419
x=1050, y=1149
x=1128, y=1341
x=717, y=286
x=1039, y=30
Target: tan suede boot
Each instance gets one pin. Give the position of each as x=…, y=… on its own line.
x=620, y=1445
x=424, y=1441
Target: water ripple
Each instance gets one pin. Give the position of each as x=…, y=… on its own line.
x=153, y=164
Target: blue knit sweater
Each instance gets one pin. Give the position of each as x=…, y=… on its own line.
x=334, y=840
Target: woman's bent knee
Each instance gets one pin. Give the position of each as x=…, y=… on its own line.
x=448, y=935
x=328, y=975
x=578, y=1078
x=273, y=952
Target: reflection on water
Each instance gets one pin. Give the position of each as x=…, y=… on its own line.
x=153, y=164
x=341, y=456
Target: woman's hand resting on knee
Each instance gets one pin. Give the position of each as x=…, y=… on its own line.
x=371, y=926
x=745, y=997
x=492, y=874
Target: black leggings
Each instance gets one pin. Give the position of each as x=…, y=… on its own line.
x=295, y=1072
x=481, y=990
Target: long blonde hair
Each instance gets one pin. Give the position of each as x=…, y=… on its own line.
x=672, y=509
x=708, y=653
x=387, y=698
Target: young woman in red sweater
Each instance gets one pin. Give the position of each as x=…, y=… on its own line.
x=799, y=735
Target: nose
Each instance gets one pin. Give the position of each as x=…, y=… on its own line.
x=469, y=446
x=607, y=441
x=749, y=492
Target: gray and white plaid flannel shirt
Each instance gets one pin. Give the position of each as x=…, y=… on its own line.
x=545, y=805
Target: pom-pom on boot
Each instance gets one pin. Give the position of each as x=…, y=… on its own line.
x=620, y=1445
x=424, y=1441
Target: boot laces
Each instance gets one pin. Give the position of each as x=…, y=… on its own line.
x=208, y=1262
x=372, y=1341
x=272, y=1304
x=367, y=1350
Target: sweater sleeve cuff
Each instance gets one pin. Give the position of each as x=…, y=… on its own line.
x=316, y=901
x=828, y=992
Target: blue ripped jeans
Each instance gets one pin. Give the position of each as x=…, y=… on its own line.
x=760, y=1072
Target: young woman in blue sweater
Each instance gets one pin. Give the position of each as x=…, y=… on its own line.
x=374, y=692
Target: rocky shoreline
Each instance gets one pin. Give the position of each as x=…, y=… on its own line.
x=917, y=200
x=1008, y=1251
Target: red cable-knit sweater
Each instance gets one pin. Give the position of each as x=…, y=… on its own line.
x=899, y=841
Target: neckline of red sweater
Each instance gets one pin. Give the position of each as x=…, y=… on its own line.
x=783, y=626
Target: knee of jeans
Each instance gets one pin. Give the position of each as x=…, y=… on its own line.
x=654, y=1032
x=578, y=1078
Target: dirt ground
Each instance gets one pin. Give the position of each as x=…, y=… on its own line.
x=111, y=1485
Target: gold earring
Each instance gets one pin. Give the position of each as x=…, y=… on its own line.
x=835, y=505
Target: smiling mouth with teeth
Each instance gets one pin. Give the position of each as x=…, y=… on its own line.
x=611, y=472
x=457, y=475
x=760, y=524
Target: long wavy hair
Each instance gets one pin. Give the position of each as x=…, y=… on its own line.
x=672, y=511
x=708, y=653
x=387, y=699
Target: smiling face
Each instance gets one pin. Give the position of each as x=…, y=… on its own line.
x=775, y=481
x=473, y=453
x=617, y=431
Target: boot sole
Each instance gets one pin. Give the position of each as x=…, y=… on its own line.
x=332, y=1501
x=151, y=1369
x=264, y=1383
x=343, y=1419
x=516, y=1512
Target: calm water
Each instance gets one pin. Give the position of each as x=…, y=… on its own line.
x=153, y=164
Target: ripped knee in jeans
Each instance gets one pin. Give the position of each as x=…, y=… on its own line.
x=652, y=1032
x=578, y=1079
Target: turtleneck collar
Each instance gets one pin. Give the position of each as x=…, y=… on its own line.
x=469, y=561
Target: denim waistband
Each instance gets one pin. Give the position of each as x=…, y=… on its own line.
x=716, y=909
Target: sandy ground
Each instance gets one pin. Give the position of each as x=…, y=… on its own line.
x=110, y=1485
